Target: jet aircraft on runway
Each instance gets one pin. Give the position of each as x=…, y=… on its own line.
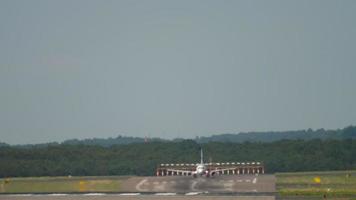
x=201, y=169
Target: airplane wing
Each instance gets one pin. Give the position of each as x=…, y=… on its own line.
x=181, y=171
x=216, y=171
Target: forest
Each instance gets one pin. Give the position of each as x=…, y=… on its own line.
x=143, y=158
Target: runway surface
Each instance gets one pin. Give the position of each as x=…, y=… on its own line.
x=130, y=197
x=217, y=184
x=243, y=187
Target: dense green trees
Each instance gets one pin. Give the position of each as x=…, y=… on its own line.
x=345, y=133
x=142, y=158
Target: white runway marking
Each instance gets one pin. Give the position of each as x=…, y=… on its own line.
x=166, y=194
x=192, y=193
x=192, y=187
x=130, y=194
x=138, y=186
x=159, y=187
x=20, y=195
x=248, y=180
x=254, y=181
x=57, y=194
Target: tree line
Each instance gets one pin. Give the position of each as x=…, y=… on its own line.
x=269, y=136
x=143, y=158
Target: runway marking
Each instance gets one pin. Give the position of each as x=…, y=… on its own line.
x=165, y=194
x=254, y=181
x=228, y=184
x=130, y=194
x=57, y=194
x=155, y=183
x=192, y=193
x=159, y=187
x=248, y=180
x=192, y=187
x=138, y=186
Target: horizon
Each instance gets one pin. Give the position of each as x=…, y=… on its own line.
x=177, y=138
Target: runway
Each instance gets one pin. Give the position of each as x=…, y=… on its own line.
x=217, y=184
x=242, y=187
x=130, y=197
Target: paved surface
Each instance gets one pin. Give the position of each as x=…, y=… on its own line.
x=131, y=197
x=243, y=187
x=217, y=184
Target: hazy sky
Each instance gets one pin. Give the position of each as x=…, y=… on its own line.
x=83, y=69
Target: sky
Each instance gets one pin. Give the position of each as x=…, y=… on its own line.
x=164, y=68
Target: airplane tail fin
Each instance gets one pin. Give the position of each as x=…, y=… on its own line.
x=201, y=156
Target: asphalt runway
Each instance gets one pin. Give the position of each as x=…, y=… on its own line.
x=242, y=187
x=130, y=197
x=216, y=184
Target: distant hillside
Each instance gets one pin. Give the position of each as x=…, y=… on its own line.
x=3, y=144
x=339, y=134
x=346, y=133
x=111, y=141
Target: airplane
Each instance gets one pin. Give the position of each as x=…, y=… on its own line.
x=201, y=169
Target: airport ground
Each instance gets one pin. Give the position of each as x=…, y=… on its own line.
x=141, y=197
x=310, y=185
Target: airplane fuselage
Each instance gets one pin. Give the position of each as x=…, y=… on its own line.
x=201, y=169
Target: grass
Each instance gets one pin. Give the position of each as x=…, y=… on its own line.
x=331, y=184
x=60, y=184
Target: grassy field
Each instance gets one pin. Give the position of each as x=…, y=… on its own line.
x=61, y=184
x=331, y=184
